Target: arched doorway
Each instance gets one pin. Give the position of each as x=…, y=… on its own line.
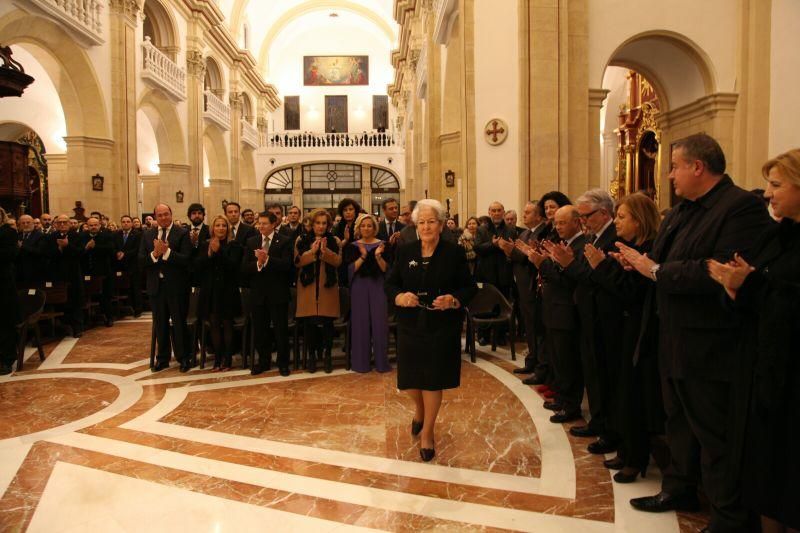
x=385, y=185
x=326, y=184
x=278, y=188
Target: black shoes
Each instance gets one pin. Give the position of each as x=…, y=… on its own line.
x=6, y=370
x=614, y=464
x=328, y=361
x=312, y=362
x=553, y=405
x=160, y=365
x=524, y=370
x=583, y=431
x=284, y=371
x=565, y=415
x=534, y=379
x=256, y=370
x=109, y=322
x=426, y=454
x=416, y=427
x=629, y=475
x=602, y=446
x=663, y=502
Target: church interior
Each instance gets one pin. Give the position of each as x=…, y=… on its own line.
x=128, y=104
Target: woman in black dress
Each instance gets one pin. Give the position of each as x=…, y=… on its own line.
x=9, y=307
x=345, y=230
x=637, y=409
x=430, y=283
x=218, y=262
x=768, y=294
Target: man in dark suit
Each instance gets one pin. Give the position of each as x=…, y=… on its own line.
x=701, y=369
x=525, y=274
x=390, y=227
x=98, y=251
x=64, y=259
x=164, y=255
x=601, y=320
x=268, y=265
x=126, y=242
x=241, y=231
x=293, y=227
x=561, y=316
x=510, y=218
x=31, y=263
x=198, y=234
x=493, y=246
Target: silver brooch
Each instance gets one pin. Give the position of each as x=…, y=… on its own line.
x=412, y=263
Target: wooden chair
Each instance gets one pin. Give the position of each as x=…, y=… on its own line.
x=31, y=305
x=55, y=295
x=489, y=308
x=122, y=289
x=92, y=289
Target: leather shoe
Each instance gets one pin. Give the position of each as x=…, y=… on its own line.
x=583, y=431
x=426, y=454
x=565, y=416
x=663, y=501
x=256, y=370
x=185, y=367
x=5, y=369
x=284, y=371
x=533, y=379
x=159, y=366
x=614, y=464
x=602, y=446
x=524, y=370
x=553, y=405
x=416, y=427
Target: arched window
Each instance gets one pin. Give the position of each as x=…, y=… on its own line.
x=326, y=184
x=385, y=185
x=278, y=188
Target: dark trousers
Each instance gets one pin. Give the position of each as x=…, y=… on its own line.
x=166, y=306
x=564, y=346
x=106, y=295
x=73, y=309
x=600, y=368
x=700, y=433
x=8, y=344
x=630, y=413
x=526, y=304
x=271, y=324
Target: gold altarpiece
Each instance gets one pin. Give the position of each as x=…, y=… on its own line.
x=639, y=141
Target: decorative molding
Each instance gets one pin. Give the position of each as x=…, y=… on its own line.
x=128, y=9
x=597, y=97
x=195, y=63
x=81, y=18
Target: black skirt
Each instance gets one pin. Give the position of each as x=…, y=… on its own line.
x=429, y=355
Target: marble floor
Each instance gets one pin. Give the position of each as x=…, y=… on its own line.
x=91, y=440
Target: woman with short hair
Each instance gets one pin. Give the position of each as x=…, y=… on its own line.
x=430, y=283
x=317, y=256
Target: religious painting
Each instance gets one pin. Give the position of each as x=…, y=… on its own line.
x=335, y=113
x=380, y=112
x=291, y=113
x=97, y=182
x=335, y=70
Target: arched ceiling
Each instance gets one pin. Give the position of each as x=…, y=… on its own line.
x=267, y=19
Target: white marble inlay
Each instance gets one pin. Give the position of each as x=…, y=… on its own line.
x=56, y=359
x=78, y=498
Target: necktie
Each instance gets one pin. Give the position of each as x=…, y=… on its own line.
x=164, y=234
x=391, y=228
x=266, y=243
x=234, y=232
x=125, y=237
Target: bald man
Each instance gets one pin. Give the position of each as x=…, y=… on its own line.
x=560, y=316
x=97, y=253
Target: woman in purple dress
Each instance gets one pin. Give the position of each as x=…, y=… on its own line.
x=366, y=269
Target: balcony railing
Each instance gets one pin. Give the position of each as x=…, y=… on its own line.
x=82, y=17
x=331, y=140
x=250, y=134
x=162, y=71
x=216, y=110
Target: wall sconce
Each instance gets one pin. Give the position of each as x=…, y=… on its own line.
x=450, y=178
x=179, y=197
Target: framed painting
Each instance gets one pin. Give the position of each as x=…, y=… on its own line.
x=335, y=70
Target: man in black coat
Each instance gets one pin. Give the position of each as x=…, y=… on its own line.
x=198, y=234
x=493, y=246
x=525, y=277
x=64, y=257
x=390, y=227
x=98, y=251
x=31, y=263
x=241, y=231
x=164, y=255
x=601, y=318
x=698, y=333
x=268, y=265
x=560, y=316
x=126, y=242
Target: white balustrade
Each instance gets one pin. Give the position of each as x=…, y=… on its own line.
x=163, y=71
x=363, y=141
x=80, y=16
x=217, y=111
x=250, y=134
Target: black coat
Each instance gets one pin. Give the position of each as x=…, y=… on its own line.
x=558, y=292
x=129, y=247
x=770, y=302
x=273, y=281
x=32, y=258
x=219, y=288
x=525, y=272
x=245, y=232
x=97, y=261
x=65, y=263
x=383, y=232
x=493, y=265
x=697, y=332
x=9, y=249
x=175, y=269
x=429, y=342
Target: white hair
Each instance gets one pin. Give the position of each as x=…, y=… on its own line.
x=430, y=203
x=598, y=199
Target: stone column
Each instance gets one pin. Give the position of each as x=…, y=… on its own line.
x=297, y=187
x=123, y=20
x=196, y=68
x=173, y=178
x=236, y=143
x=366, y=188
x=596, y=99
x=86, y=157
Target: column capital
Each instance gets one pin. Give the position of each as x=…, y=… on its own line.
x=128, y=10
x=597, y=97
x=195, y=63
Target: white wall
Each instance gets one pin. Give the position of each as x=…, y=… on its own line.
x=497, y=96
x=147, y=156
x=784, y=77
x=39, y=108
x=317, y=35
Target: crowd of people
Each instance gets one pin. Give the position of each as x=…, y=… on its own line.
x=677, y=327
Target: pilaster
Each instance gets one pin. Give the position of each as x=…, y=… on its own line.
x=596, y=99
x=196, y=68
